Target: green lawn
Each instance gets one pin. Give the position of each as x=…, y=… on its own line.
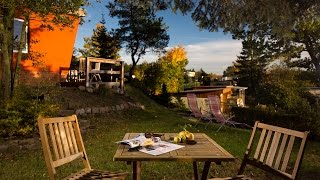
x=109, y=128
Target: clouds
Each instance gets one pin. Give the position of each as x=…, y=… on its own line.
x=212, y=56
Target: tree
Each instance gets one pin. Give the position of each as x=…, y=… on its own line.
x=172, y=68
x=251, y=64
x=102, y=43
x=63, y=13
x=294, y=24
x=140, y=31
x=283, y=89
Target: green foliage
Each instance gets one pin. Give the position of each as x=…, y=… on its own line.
x=101, y=44
x=306, y=120
x=140, y=30
x=251, y=65
x=31, y=100
x=283, y=89
x=290, y=26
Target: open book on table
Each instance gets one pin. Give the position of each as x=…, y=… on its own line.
x=156, y=147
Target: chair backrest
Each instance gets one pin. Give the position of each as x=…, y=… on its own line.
x=193, y=105
x=61, y=142
x=277, y=150
x=215, y=108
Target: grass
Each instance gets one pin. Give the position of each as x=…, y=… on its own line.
x=109, y=128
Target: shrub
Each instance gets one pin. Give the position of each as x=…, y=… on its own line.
x=30, y=101
x=307, y=120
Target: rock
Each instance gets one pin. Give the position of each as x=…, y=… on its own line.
x=107, y=109
x=102, y=110
x=82, y=88
x=66, y=112
x=126, y=105
x=80, y=112
x=90, y=89
x=95, y=110
x=87, y=110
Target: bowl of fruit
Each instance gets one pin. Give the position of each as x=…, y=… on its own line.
x=184, y=136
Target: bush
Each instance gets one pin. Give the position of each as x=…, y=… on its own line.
x=19, y=117
x=30, y=101
x=301, y=122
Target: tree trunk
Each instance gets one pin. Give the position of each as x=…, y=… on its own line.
x=16, y=65
x=7, y=49
x=317, y=67
x=131, y=72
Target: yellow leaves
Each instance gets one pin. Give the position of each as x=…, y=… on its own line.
x=175, y=55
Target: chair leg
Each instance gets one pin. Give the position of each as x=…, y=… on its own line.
x=210, y=121
x=220, y=127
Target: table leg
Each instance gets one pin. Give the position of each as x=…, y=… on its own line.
x=136, y=170
x=205, y=170
x=195, y=170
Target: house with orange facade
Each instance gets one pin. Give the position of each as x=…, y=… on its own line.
x=52, y=48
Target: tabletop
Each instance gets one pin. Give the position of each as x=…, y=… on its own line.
x=206, y=149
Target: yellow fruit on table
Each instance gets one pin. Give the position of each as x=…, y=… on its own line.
x=177, y=139
x=190, y=136
x=148, y=142
x=183, y=138
x=182, y=134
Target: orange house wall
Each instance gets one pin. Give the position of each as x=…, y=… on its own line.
x=54, y=46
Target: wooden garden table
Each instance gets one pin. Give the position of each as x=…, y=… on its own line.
x=206, y=150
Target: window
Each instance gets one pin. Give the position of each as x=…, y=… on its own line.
x=17, y=34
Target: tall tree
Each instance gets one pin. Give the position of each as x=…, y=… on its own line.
x=140, y=30
x=101, y=44
x=252, y=62
x=295, y=24
x=63, y=12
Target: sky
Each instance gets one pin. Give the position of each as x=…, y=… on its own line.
x=211, y=51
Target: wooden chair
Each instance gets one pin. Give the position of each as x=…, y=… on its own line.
x=62, y=143
x=277, y=150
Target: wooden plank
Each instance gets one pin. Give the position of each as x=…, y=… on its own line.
x=300, y=154
x=107, y=83
x=70, y=144
x=46, y=148
x=59, y=145
x=66, y=159
x=260, y=142
x=195, y=170
x=87, y=72
x=85, y=159
x=282, y=130
x=288, y=153
x=281, y=150
x=103, y=60
x=58, y=120
x=205, y=170
x=265, y=147
x=253, y=133
x=273, y=148
x=105, y=72
x=64, y=141
x=73, y=139
x=53, y=141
